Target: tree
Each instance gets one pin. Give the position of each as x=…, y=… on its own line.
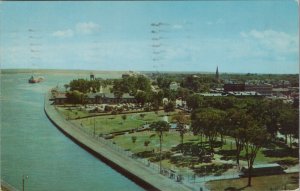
x=208, y=121
x=133, y=139
x=74, y=97
x=163, y=82
x=143, y=83
x=169, y=107
x=66, y=86
x=254, y=138
x=146, y=143
x=289, y=123
x=81, y=85
x=194, y=101
x=181, y=121
x=237, y=122
x=141, y=97
x=160, y=127
x=118, y=94
x=124, y=117
x=183, y=93
x=156, y=99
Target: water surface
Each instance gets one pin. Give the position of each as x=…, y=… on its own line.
x=31, y=145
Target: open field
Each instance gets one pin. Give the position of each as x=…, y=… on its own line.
x=262, y=183
x=113, y=123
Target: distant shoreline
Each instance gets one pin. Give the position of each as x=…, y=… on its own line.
x=89, y=71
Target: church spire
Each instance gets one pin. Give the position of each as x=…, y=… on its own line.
x=217, y=74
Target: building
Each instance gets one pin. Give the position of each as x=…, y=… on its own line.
x=96, y=98
x=263, y=89
x=109, y=98
x=232, y=87
x=212, y=94
x=129, y=74
x=263, y=169
x=279, y=92
x=92, y=77
x=60, y=99
x=244, y=93
x=260, y=89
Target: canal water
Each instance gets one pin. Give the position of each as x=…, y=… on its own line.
x=32, y=146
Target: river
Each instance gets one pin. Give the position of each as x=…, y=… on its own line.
x=32, y=146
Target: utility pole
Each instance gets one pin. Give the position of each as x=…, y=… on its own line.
x=23, y=182
x=94, y=126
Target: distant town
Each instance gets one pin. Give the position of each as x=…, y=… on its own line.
x=207, y=128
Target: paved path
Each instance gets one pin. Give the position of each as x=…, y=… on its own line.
x=134, y=170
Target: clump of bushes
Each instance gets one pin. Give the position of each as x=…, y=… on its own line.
x=133, y=139
x=146, y=143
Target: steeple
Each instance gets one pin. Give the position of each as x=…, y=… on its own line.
x=217, y=74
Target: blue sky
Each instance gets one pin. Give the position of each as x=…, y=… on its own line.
x=236, y=36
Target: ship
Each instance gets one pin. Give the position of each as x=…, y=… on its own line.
x=33, y=80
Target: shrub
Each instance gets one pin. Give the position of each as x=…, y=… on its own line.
x=146, y=143
x=133, y=138
x=114, y=112
x=108, y=108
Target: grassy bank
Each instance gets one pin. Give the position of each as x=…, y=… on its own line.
x=275, y=182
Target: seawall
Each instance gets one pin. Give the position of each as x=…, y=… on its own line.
x=132, y=169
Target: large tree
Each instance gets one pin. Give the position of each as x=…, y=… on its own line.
x=155, y=98
x=208, y=121
x=237, y=121
x=74, y=97
x=169, y=107
x=181, y=121
x=141, y=97
x=254, y=138
x=194, y=101
x=289, y=123
x=81, y=85
x=160, y=127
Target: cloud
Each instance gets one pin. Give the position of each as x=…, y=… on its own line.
x=87, y=28
x=219, y=21
x=177, y=26
x=63, y=33
x=277, y=41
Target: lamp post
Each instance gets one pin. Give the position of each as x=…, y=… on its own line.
x=94, y=127
x=23, y=182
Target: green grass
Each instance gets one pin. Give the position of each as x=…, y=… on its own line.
x=170, y=139
x=274, y=182
x=112, y=123
x=72, y=114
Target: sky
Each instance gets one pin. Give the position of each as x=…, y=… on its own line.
x=237, y=36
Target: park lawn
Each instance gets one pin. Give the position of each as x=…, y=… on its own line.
x=72, y=114
x=261, y=158
x=152, y=116
x=109, y=123
x=113, y=123
x=170, y=139
x=274, y=182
